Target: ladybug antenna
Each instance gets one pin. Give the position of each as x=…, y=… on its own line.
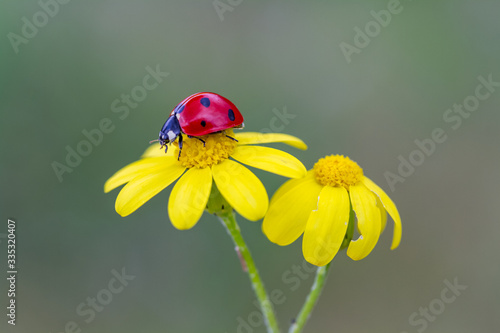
x=150, y=142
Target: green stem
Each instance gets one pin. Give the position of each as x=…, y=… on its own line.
x=311, y=300
x=229, y=221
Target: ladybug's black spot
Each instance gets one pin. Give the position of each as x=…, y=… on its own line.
x=205, y=102
x=179, y=108
x=203, y=123
x=230, y=114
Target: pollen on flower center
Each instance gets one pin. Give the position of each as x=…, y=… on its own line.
x=218, y=147
x=337, y=170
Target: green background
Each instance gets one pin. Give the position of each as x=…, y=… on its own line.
x=263, y=56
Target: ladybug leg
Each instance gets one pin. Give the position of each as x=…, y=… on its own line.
x=195, y=137
x=229, y=136
x=163, y=144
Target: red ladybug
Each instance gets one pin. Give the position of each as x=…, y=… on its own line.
x=200, y=114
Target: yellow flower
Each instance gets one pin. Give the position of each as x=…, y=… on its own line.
x=239, y=186
x=320, y=205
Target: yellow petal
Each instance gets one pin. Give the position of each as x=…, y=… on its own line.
x=287, y=216
x=327, y=226
x=390, y=207
x=290, y=184
x=364, y=204
x=135, y=169
x=271, y=160
x=155, y=150
x=383, y=215
x=242, y=189
x=189, y=198
x=144, y=187
x=248, y=138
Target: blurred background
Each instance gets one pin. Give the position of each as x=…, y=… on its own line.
x=364, y=78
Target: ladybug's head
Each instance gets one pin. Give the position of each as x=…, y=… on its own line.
x=170, y=131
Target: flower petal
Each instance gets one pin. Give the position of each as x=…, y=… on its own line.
x=383, y=215
x=189, y=198
x=390, y=207
x=156, y=150
x=364, y=204
x=327, y=226
x=145, y=186
x=290, y=184
x=242, y=189
x=288, y=214
x=271, y=160
x=135, y=169
x=248, y=138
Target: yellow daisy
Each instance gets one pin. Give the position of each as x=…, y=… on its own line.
x=320, y=206
x=238, y=185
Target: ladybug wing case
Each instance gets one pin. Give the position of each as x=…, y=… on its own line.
x=207, y=113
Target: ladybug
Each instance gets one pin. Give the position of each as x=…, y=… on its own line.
x=197, y=115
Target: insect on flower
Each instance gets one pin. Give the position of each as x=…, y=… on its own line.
x=197, y=115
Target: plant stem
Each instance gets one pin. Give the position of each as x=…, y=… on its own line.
x=311, y=300
x=229, y=221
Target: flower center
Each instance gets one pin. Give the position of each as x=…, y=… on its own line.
x=337, y=170
x=217, y=148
